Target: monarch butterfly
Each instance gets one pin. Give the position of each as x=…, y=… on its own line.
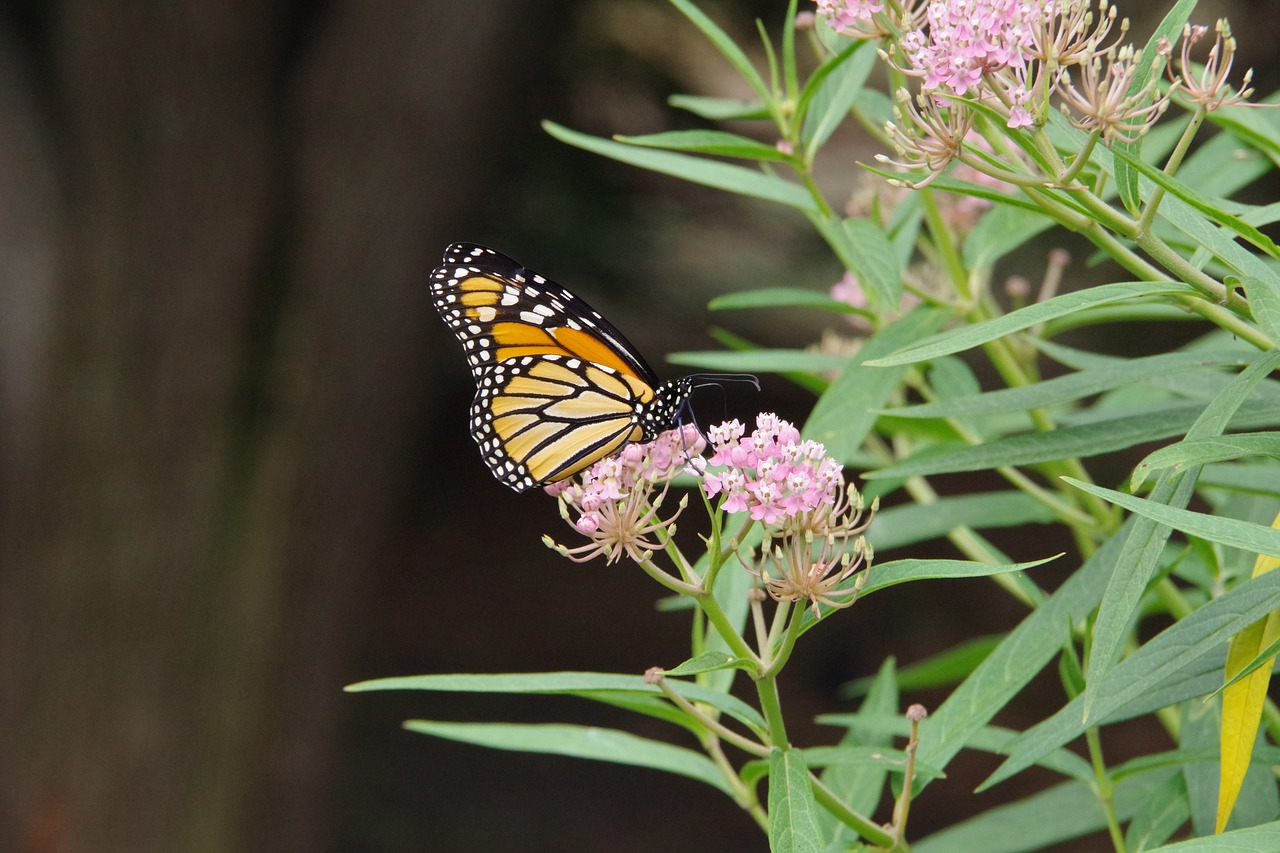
x=557, y=386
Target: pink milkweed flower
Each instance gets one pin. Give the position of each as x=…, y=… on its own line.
x=617, y=499
x=812, y=521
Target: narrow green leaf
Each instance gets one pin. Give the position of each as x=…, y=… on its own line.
x=720, y=109
x=793, y=814
x=716, y=142
x=1214, y=211
x=762, y=361
x=874, y=261
x=860, y=786
x=726, y=46
x=1149, y=63
x=1198, y=635
x=845, y=414
x=1001, y=230
x=1252, y=478
x=1160, y=816
x=889, y=759
x=941, y=670
x=830, y=92
x=590, y=742
x=709, y=662
x=698, y=170
x=1018, y=659
x=1127, y=586
x=967, y=337
x=1202, y=232
x=1264, y=838
x=1202, y=451
x=583, y=684
x=1073, y=386
x=911, y=523
x=1083, y=441
x=783, y=297
x=882, y=575
x=1232, y=532
x=1264, y=301
x=1059, y=814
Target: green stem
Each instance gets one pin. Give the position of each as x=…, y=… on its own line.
x=946, y=246
x=671, y=583
x=1171, y=166
x=725, y=628
x=771, y=707
x=745, y=744
x=1104, y=788
x=871, y=832
x=743, y=795
x=776, y=660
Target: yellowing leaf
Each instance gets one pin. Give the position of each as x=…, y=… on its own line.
x=1242, y=701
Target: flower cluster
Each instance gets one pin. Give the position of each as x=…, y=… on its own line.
x=860, y=19
x=1210, y=89
x=771, y=473
x=616, y=501
x=812, y=522
x=968, y=40
x=798, y=494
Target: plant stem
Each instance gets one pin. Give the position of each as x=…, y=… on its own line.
x=840, y=810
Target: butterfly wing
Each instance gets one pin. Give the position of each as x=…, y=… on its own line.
x=501, y=310
x=557, y=386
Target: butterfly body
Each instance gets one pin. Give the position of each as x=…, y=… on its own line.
x=557, y=386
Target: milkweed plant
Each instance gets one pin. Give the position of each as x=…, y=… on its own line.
x=998, y=123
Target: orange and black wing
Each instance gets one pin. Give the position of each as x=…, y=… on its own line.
x=557, y=386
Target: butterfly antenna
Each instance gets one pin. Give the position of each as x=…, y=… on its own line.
x=707, y=380
x=703, y=380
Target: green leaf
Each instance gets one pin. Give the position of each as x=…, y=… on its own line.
x=911, y=523
x=793, y=820
x=888, y=759
x=1264, y=838
x=1160, y=816
x=1232, y=532
x=726, y=46
x=1201, y=634
x=845, y=414
x=597, y=744
x=1085, y=440
x=762, y=361
x=941, y=670
x=698, y=170
x=1147, y=67
x=720, y=109
x=1001, y=230
x=588, y=685
x=1213, y=211
x=784, y=297
x=1264, y=301
x=865, y=250
x=1201, y=451
x=1172, y=492
x=830, y=92
x=716, y=142
x=882, y=575
x=709, y=662
x=1254, y=478
x=860, y=786
x=1073, y=386
x=1018, y=659
x=967, y=337
x=1059, y=814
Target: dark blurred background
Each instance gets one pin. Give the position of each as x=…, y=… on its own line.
x=235, y=471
